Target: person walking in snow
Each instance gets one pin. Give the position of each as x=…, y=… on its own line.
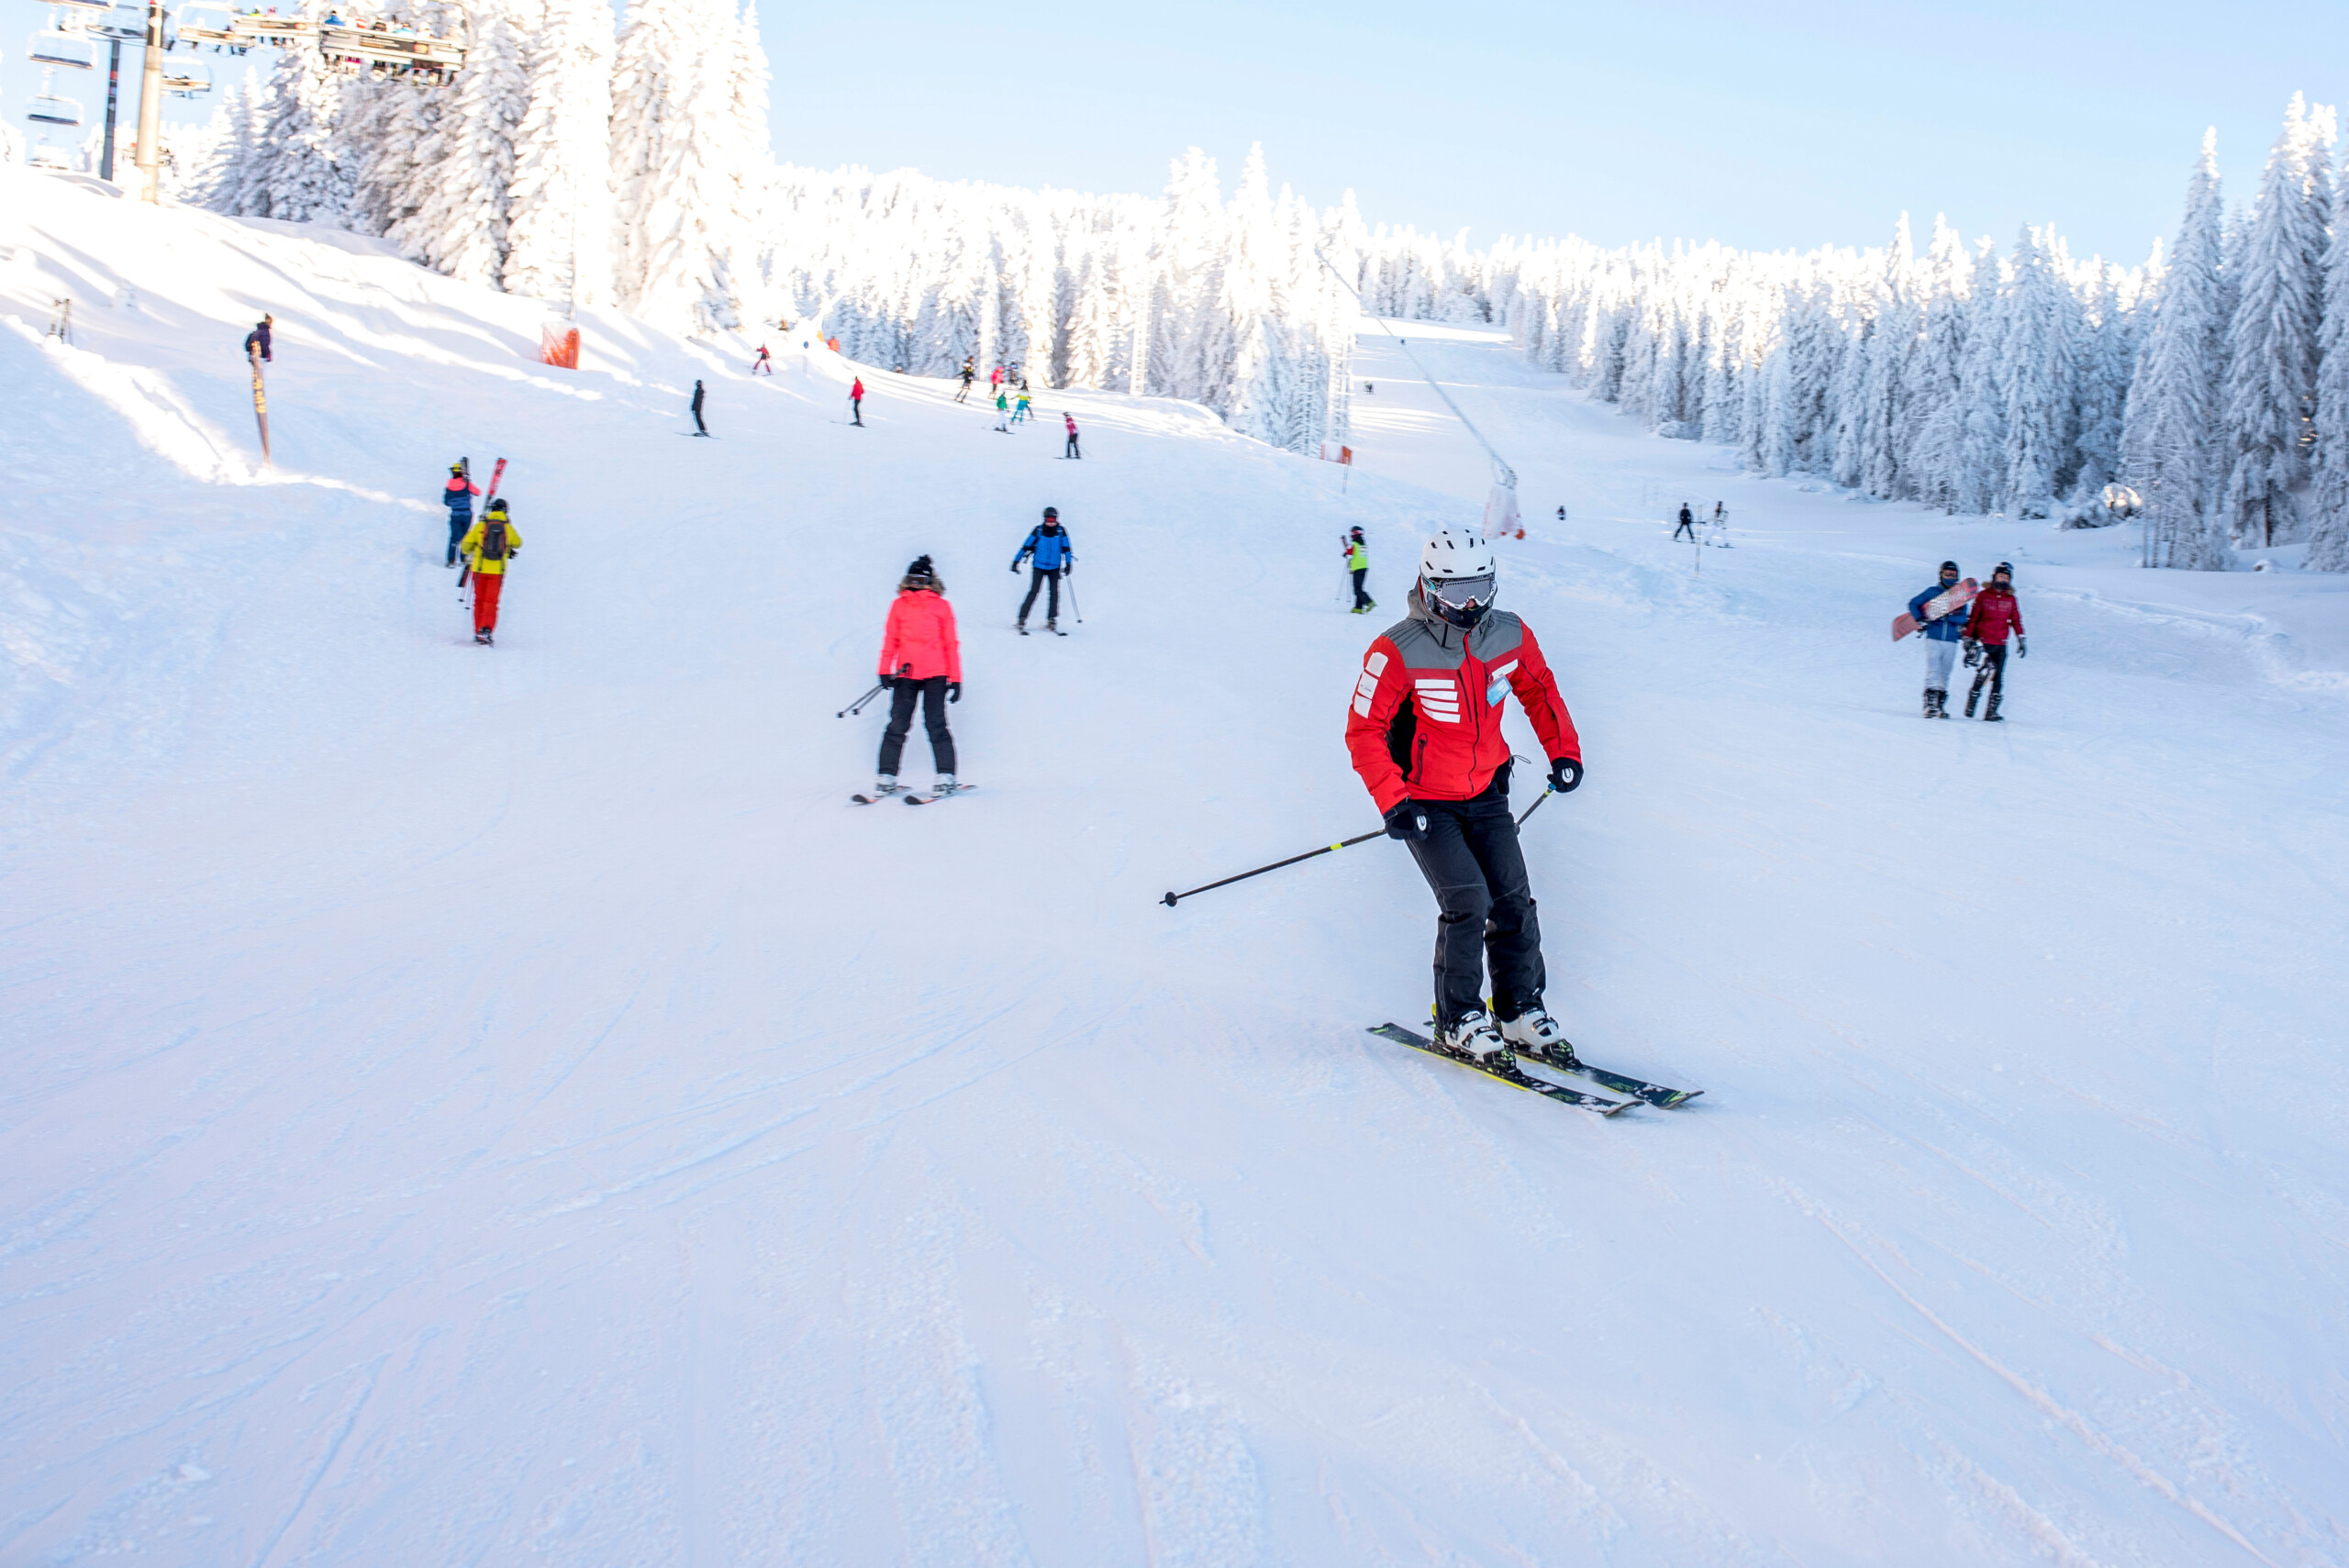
x=488, y=545
x=856, y=401
x=1358, y=563
x=1687, y=525
x=458, y=497
x=1070, y=421
x=257, y=341
x=700, y=428
x=970, y=374
x=1996, y=616
x=921, y=661
x=1049, y=547
x=1424, y=731
x=1942, y=634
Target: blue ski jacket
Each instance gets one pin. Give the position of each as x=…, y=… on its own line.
x=1950, y=627
x=1052, y=550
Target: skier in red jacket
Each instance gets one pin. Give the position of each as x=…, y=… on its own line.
x=1994, y=615
x=1425, y=733
x=856, y=402
x=920, y=659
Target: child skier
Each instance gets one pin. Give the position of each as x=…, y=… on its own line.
x=1424, y=730
x=458, y=497
x=1070, y=419
x=1020, y=409
x=1048, y=545
x=970, y=374
x=1942, y=638
x=1003, y=413
x=489, y=545
x=921, y=661
x=1358, y=563
x=1994, y=617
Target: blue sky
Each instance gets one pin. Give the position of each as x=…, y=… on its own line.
x=1758, y=125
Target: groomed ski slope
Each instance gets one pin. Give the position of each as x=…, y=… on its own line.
x=496, y=1105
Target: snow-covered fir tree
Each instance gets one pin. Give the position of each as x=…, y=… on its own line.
x=2171, y=450
x=559, y=210
x=2328, y=492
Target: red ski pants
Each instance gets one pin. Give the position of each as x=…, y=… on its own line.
x=486, y=586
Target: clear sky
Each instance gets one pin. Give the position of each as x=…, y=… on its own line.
x=1759, y=125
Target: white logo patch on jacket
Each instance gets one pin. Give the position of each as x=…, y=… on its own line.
x=1368, y=687
x=1440, y=699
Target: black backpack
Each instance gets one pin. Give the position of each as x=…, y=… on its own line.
x=493, y=541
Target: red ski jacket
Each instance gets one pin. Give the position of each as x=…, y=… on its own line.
x=1425, y=718
x=1995, y=614
x=922, y=633
x=857, y=391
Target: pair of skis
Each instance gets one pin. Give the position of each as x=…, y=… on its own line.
x=911, y=799
x=496, y=475
x=1639, y=1091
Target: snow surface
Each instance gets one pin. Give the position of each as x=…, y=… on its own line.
x=480, y=1105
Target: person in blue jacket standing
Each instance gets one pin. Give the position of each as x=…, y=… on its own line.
x=458, y=497
x=1942, y=638
x=1048, y=545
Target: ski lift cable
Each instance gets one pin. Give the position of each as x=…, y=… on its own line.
x=1503, y=475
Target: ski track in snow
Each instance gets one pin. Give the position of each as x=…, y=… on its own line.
x=462, y=1105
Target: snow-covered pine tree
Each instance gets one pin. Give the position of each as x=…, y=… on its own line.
x=559, y=216
x=2171, y=441
x=460, y=227
x=297, y=166
x=2036, y=355
x=2270, y=390
x=2329, y=494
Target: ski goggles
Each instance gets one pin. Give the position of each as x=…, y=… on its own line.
x=1462, y=593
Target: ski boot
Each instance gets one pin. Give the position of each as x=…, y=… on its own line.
x=1929, y=695
x=1020, y=627
x=1473, y=1038
x=1052, y=625
x=1536, y=1034
x=1972, y=695
x=1990, y=714
x=1941, y=705
x=886, y=785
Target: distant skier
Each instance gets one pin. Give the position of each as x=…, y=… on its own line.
x=1562, y=514
x=1943, y=635
x=1048, y=546
x=995, y=378
x=700, y=428
x=1687, y=525
x=1358, y=563
x=1425, y=733
x=1002, y=412
x=257, y=341
x=856, y=402
x=458, y=497
x=1717, y=532
x=488, y=545
x=1996, y=616
x=1070, y=450
x=763, y=364
x=1020, y=410
x=1369, y=388
x=921, y=661
x=970, y=374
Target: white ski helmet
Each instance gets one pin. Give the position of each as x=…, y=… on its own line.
x=1457, y=576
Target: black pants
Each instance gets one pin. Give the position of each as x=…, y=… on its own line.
x=965, y=391
x=1072, y=450
x=458, y=523
x=1052, y=600
x=1362, y=600
x=699, y=428
x=1994, y=671
x=856, y=410
x=1472, y=863
x=1688, y=528
x=932, y=693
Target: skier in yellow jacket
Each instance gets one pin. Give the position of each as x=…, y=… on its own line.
x=488, y=545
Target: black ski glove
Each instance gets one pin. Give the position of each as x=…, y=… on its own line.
x=1068, y=567
x=2022, y=648
x=1565, y=775
x=953, y=691
x=888, y=682
x=1015, y=569
x=1407, y=821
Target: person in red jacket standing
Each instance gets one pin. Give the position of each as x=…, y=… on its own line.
x=921, y=660
x=856, y=401
x=1994, y=615
x=1425, y=734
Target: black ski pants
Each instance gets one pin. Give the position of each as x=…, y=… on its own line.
x=931, y=694
x=1052, y=600
x=1072, y=450
x=1471, y=859
x=1362, y=600
x=1994, y=671
x=1686, y=526
x=458, y=523
x=700, y=428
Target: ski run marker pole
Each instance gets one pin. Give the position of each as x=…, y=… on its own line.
x=1327, y=848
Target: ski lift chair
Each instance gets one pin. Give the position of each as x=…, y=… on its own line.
x=55, y=46
x=125, y=22
x=187, y=81
x=83, y=4
x=50, y=109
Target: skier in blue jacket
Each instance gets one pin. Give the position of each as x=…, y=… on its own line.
x=458, y=497
x=1048, y=545
x=1942, y=638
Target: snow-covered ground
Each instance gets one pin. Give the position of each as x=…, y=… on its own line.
x=478, y=1106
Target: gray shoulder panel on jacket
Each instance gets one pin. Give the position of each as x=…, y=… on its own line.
x=1421, y=648
x=1497, y=636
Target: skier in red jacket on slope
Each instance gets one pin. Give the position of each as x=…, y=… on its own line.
x=856, y=402
x=1994, y=617
x=1425, y=733
x=920, y=659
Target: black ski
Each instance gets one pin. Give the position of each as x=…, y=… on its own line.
x=1640, y=1089
x=1509, y=1075
x=872, y=799
x=941, y=795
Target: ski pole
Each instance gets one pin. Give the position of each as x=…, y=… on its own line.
x=1327, y=848
x=858, y=705
x=1072, y=598
x=1530, y=810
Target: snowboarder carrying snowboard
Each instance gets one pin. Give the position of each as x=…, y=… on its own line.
x=1358, y=563
x=700, y=428
x=1687, y=525
x=921, y=661
x=489, y=544
x=856, y=402
x=458, y=497
x=1070, y=421
x=1425, y=733
x=1048, y=545
x=1943, y=635
x=1994, y=615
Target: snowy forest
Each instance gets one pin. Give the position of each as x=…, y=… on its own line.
x=626, y=161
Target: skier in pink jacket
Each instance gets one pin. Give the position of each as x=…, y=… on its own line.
x=921, y=660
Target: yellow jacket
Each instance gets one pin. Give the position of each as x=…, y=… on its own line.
x=472, y=547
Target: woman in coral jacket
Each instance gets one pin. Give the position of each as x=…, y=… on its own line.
x=1995, y=617
x=921, y=660
x=1425, y=733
